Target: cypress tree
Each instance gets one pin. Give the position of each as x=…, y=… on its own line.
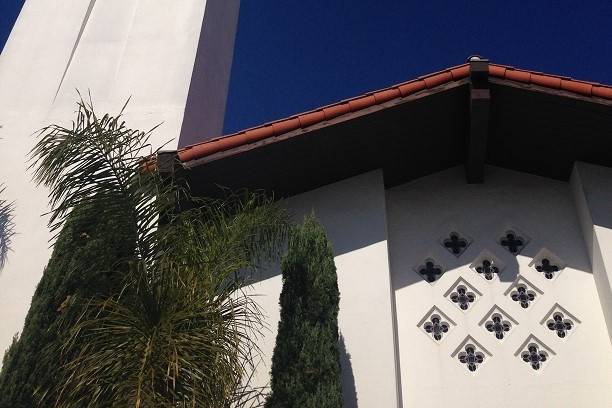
x=306, y=364
x=82, y=265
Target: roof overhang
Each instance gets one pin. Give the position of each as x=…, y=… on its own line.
x=536, y=128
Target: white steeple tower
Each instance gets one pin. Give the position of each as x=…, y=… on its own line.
x=172, y=57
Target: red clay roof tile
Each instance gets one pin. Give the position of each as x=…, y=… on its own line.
x=602, y=91
x=285, y=126
x=578, y=87
x=497, y=71
x=461, y=71
x=256, y=134
x=335, y=111
x=518, y=75
x=411, y=87
x=386, y=95
x=438, y=79
x=546, y=80
x=311, y=118
x=319, y=115
x=362, y=103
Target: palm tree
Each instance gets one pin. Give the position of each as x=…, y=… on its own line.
x=179, y=331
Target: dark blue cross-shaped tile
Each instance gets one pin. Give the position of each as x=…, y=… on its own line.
x=430, y=272
x=560, y=325
x=534, y=356
x=498, y=326
x=462, y=297
x=523, y=297
x=436, y=327
x=455, y=244
x=487, y=269
x=471, y=358
x=547, y=268
x=512, y=242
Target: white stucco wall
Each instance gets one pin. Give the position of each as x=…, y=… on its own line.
x=353, y=213
x=592, y=189
x=379, y=326
x=115, y=49
x=422, y=212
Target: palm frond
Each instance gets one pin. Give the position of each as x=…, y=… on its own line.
x=181, y=331
x=99, y=158
x=7, y=227
x=194, y=354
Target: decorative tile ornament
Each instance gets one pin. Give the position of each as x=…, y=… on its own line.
x=513, y=241
x=436, y=324
x=471, y=354
x=462, y=297
x=534, y=356
x=462, y=294
x=456, y=243
x=547, y=264
x=487, y=269
x=560, y=322
x=523, y=296
x=498, y=322
x=487, y=266
x=498, y=326
x=534, y=353
x=471, y=358
x=436, y=327
x=523, y=292
x=429, y=270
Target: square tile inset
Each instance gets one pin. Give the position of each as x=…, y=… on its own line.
x=560, y=322
x=429, y=270
x=456, y=243
x=462, y=294
x=487, y=266
x=498, y=322
x=547, y=264
x=436, y=324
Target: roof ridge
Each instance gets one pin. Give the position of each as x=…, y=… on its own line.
x=377, y=97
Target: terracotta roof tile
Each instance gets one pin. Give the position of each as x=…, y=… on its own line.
x=386, y=95
x=256, y=134
x=551, y=81
x=578, y=87
x=284, y=126
x=362, y=103
x=497, y=71
x=518, y=75
x=402, y=90
x=335, y=111
x=438, y=79
x=546, y=80
x=311, y=118
x=411, y=87
x=461, y=71
x=602, y=91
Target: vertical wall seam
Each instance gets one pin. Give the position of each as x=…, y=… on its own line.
x=76, y=44
x=582, y=211
x=396, y=352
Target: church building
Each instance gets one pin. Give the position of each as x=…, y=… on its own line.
x=470, y=212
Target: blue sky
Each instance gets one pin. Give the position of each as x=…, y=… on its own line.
x=293, y=55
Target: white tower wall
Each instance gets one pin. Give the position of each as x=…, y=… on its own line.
x=170, y=56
